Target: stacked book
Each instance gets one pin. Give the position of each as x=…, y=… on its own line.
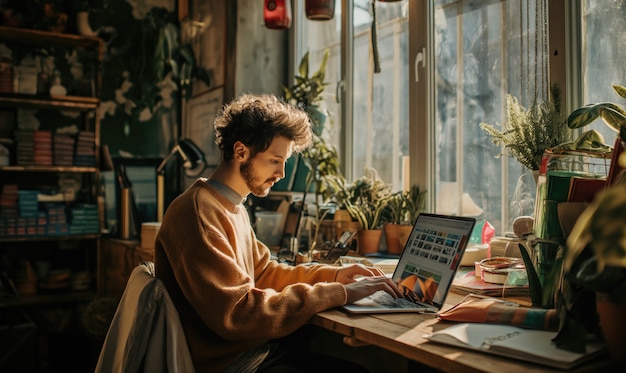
x=8, y=209
x=25, y=148
x=85, y=219
x=63, y=150
x=28, y=204
x=43, y=148
x=8, y=200
x=85, y=149
x=57, y=219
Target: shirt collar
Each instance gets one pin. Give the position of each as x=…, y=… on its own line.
x=227, y=192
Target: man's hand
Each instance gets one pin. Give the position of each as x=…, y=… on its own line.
x=369, y=285
x=350, y=273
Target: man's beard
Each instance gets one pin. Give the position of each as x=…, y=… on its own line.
x=247, y=172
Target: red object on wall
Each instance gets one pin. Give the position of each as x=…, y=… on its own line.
x=319, y=10
x=277, y=14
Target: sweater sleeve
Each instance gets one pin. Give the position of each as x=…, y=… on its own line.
x=227, y=277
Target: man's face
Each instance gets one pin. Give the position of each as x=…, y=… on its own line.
x=267, y=168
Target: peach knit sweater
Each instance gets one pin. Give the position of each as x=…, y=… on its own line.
x=230, y=296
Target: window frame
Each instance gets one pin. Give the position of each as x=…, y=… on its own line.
x=564, y=70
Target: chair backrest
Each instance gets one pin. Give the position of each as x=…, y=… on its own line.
x=145, y=333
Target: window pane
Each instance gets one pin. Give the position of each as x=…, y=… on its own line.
x=603, y=55
x=381, y=105
x=318, y=36
x=484, y=50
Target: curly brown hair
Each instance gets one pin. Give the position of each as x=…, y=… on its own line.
x=256, y=119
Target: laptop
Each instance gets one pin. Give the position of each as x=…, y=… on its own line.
x=426, y=267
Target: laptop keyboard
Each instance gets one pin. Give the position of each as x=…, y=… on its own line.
x=385, y=299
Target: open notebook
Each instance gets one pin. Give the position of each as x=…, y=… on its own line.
x=426, y=267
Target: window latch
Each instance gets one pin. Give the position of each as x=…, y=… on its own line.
x=419, y=59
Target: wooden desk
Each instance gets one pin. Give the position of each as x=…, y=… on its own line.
x=402, y=334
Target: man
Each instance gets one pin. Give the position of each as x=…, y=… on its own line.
x=232, y=298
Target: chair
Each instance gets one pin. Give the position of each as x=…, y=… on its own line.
x=145, y=334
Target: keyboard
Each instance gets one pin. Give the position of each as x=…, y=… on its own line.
x=383, y=298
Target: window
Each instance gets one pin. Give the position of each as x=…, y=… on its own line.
x=602, y=55
x=379, y=101
x=483, y=50
x=475, y=52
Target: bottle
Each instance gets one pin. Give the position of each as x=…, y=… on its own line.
x=57, y=88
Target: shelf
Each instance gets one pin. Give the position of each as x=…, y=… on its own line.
x=69, y=169
x=81, y=250
x=57, y=103
x=35, y=38
x=68, y=237
x=38, y=300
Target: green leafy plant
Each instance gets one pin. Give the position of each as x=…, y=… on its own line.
x=404, y=206
x=415, y=202
x=529, y=132
x=323, y=161
x=365, y=198
x=594, y=262
x=307, y=90
x=611, y=114
x=394, y=211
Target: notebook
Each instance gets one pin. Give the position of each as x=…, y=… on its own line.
x=426, y=268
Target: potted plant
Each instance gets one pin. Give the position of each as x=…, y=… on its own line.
x=323, y=161
x=611, y=114
x=307, y=90
x=529, y=132
x=595, y=260
x=400, y=213
x=307, y=93
x=595, y=256
x=365, y=200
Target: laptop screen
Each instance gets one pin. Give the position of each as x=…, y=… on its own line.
x=432, y=255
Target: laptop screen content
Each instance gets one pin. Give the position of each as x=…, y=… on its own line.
x=431, y=257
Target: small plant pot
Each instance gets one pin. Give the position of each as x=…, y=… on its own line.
x=319, y=10
x=396, y=236
x=368, y=240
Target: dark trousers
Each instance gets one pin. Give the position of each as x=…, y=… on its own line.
x=293, y=355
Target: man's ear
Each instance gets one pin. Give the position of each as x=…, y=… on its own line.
x=240, y=151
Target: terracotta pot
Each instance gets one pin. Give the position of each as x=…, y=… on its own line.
x=368, y=240
x=343, y=222
x=319, y=10
x=396, y=236
x=613, y=324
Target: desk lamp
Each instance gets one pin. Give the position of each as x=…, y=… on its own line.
x=193, y=163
